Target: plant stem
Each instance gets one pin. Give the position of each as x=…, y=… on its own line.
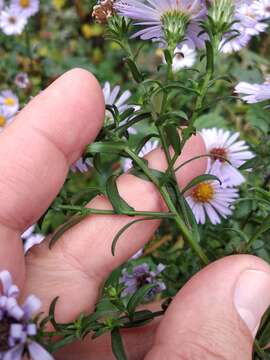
x=112, y=212
x=166, y=197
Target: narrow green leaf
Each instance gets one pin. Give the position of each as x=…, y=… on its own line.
x=191, y=220
x=90, y=193
x=109, y=147
x=138, y=77
x=173, y=138
x=63, y=228
x=117, y=345
x=200, y=179
x=210, y=56
x=137, y=298
x=124, y=228
x=120, y=205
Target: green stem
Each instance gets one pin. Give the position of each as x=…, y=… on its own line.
x=165, y=195
x=112, y=212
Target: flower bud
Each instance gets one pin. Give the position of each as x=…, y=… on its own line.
x=174, y=25
x=221, y=11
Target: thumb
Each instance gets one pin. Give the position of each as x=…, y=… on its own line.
x=217, y=313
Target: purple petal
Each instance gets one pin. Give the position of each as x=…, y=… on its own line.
x=37, y=352
x=15, y=353
x=31, y=306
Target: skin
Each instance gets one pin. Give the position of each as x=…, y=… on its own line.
x=36, y=151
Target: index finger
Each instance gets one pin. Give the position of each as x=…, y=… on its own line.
x=36, y=151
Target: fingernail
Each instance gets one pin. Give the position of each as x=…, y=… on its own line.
x=252, y=297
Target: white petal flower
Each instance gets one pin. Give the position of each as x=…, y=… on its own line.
x=184, y=56
x=31, y=238
x=146, y=149
x=12, y=21
x=27, y=7
x=5, y=118
x=254, y=93
x=209, y=199
x=222, y=143
x=261, y=8
x=9, y=101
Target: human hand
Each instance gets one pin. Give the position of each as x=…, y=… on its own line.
x=217, y=312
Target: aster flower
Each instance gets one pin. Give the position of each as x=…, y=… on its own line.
x=12, y=21
x=1, y=4
x=22, y=80
x=9, y=101
x=27, y=7
x=30, y=238
x=17, y=328
x=184, y=57
x=254, y=93
x=162, y=20
x=5, y=119
x=81, y=165
x=210, y=199
x=222, y=143
x=247, y=24
x=146, y=149
x=140, y=276
x=261, y=8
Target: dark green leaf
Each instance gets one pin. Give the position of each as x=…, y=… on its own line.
x=173, y=138
x=109, y=147
x=120, y=205
x=200, y=179
x=124, y=228
x=138, y=77
x=65, y=227
x=137, y=298
x=117, y=345
x=88, y=193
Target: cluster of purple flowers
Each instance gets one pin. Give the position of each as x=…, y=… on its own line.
x=17, y=330
x=14, y=16
x=142, y=275
x=248, y=18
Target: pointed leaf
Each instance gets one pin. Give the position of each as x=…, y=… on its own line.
x=120, y=205
x=109, y=147
x=173, y=138
x=137, y=298
x=117, y=345
x=200, y=179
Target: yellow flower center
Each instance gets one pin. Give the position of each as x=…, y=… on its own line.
x=9, y=101
x=2, y=120
x=203, y=192
x=24, y=3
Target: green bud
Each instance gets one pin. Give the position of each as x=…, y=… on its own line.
x=221, y=11
x=174, y=26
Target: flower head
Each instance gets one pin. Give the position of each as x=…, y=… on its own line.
x=17, y=328
x=9, y=101
x=5, y=118
x=162, y=20
x=27, y=7
x=22, y=80
x=31, y=238
x=227, y=155
x=81, y=165
x=12, y=20
x=254, y=93
x=140, y=276
x=210, y=199
x=184, y=57
x=261, y=8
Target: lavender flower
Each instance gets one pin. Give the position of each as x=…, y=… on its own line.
x=5, y=118
x=261, y=8
x=22, y=80
x=27, y=7
x=9, y=102
x=12, y=21
x=162, y=20
x=222, y=143
x=210, y=199
x=16, y=328
x=81, y=165
x=30, y=238
x=247, y=24
x=140, y=276
x=184, y=56
x=254, y=93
